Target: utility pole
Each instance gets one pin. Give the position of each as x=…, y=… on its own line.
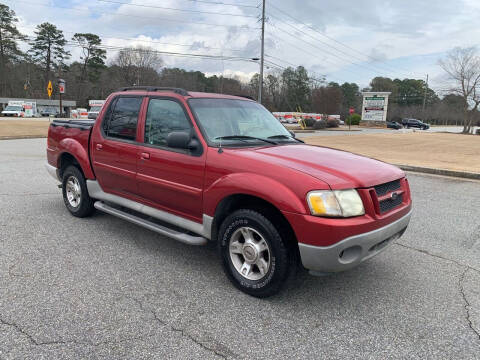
x=260, y=80
x=425, y=98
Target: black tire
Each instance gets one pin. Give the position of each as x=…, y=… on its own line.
x=85, y=206
x=280, y=258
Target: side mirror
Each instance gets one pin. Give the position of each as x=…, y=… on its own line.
x=181, y=140
x=292, y=133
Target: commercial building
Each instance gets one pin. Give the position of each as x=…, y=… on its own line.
x=67, y=105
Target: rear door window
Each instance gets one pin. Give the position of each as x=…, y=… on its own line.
x=121, y=121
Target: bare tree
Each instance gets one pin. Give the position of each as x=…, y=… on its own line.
x=463, y=67
x=327, y=100
x=140, y=65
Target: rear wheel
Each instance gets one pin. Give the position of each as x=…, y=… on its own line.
x=254, y=255
x=75, y=193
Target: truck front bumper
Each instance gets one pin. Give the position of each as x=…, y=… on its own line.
x=353, y=250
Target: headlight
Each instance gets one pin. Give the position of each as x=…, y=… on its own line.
x=344, y=203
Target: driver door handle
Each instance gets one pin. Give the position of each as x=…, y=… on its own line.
x=99, y=146
x=145, y=156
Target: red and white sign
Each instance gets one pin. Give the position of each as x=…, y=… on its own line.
x=61, y=86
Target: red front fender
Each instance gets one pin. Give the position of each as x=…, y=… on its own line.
x=255, y=185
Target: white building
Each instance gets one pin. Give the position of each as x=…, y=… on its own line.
x=67, y=105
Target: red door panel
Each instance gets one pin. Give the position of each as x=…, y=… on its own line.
x=172, y=181
x=115, y=165
x=114, y=149
x=169, y=179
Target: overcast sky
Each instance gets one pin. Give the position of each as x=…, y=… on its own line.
x=351, y=40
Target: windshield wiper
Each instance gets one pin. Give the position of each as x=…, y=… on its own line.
x=282, y=136
x=244, y=137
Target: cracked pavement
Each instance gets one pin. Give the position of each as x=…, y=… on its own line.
x=102, y=288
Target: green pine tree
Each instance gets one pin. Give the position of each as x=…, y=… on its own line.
x=48, y=49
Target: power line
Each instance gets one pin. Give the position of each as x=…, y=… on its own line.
x=221, y=3
x=374, y=71
x=176, y=9
x=273, y=65
x=323, y=42
x=311, y=77
x=157, y=42
x=282, y=60
x=312, y=54
x=243, y=27
x=224, y=4
x=103, y=36
x=328, y=37
x=279, y=67
x=294, y=66
x=165, y=53
x=317, y=31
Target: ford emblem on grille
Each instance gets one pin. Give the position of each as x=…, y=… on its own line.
x=393, y=195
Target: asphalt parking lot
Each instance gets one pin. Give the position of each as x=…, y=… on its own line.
x=103, y=288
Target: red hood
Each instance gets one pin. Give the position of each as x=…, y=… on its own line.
x=339, y=169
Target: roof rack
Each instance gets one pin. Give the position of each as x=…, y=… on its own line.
x=246, y=97
x=179, y=91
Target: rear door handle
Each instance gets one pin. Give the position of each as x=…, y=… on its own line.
x=99, y=146
x=145, y=156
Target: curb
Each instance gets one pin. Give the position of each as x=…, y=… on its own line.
x=452, y=173
x=339, y=129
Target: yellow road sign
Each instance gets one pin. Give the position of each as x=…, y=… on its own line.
x=49, y=89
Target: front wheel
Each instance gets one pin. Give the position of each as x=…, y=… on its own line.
x=75, y=193
x=254, y=255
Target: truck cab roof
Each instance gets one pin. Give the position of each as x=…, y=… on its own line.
x=143, y=90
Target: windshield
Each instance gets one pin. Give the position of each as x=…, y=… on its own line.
x=13, y=108
x=95, y=109
x=230, y=118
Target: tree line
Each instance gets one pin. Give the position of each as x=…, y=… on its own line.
x=26, y=74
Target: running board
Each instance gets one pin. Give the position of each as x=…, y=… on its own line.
x=163, y=230
x=204, y=229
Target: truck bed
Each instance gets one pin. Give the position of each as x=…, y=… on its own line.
x=79, y=124
x=70, y=136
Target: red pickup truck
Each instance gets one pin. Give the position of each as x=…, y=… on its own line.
x=200, y=167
